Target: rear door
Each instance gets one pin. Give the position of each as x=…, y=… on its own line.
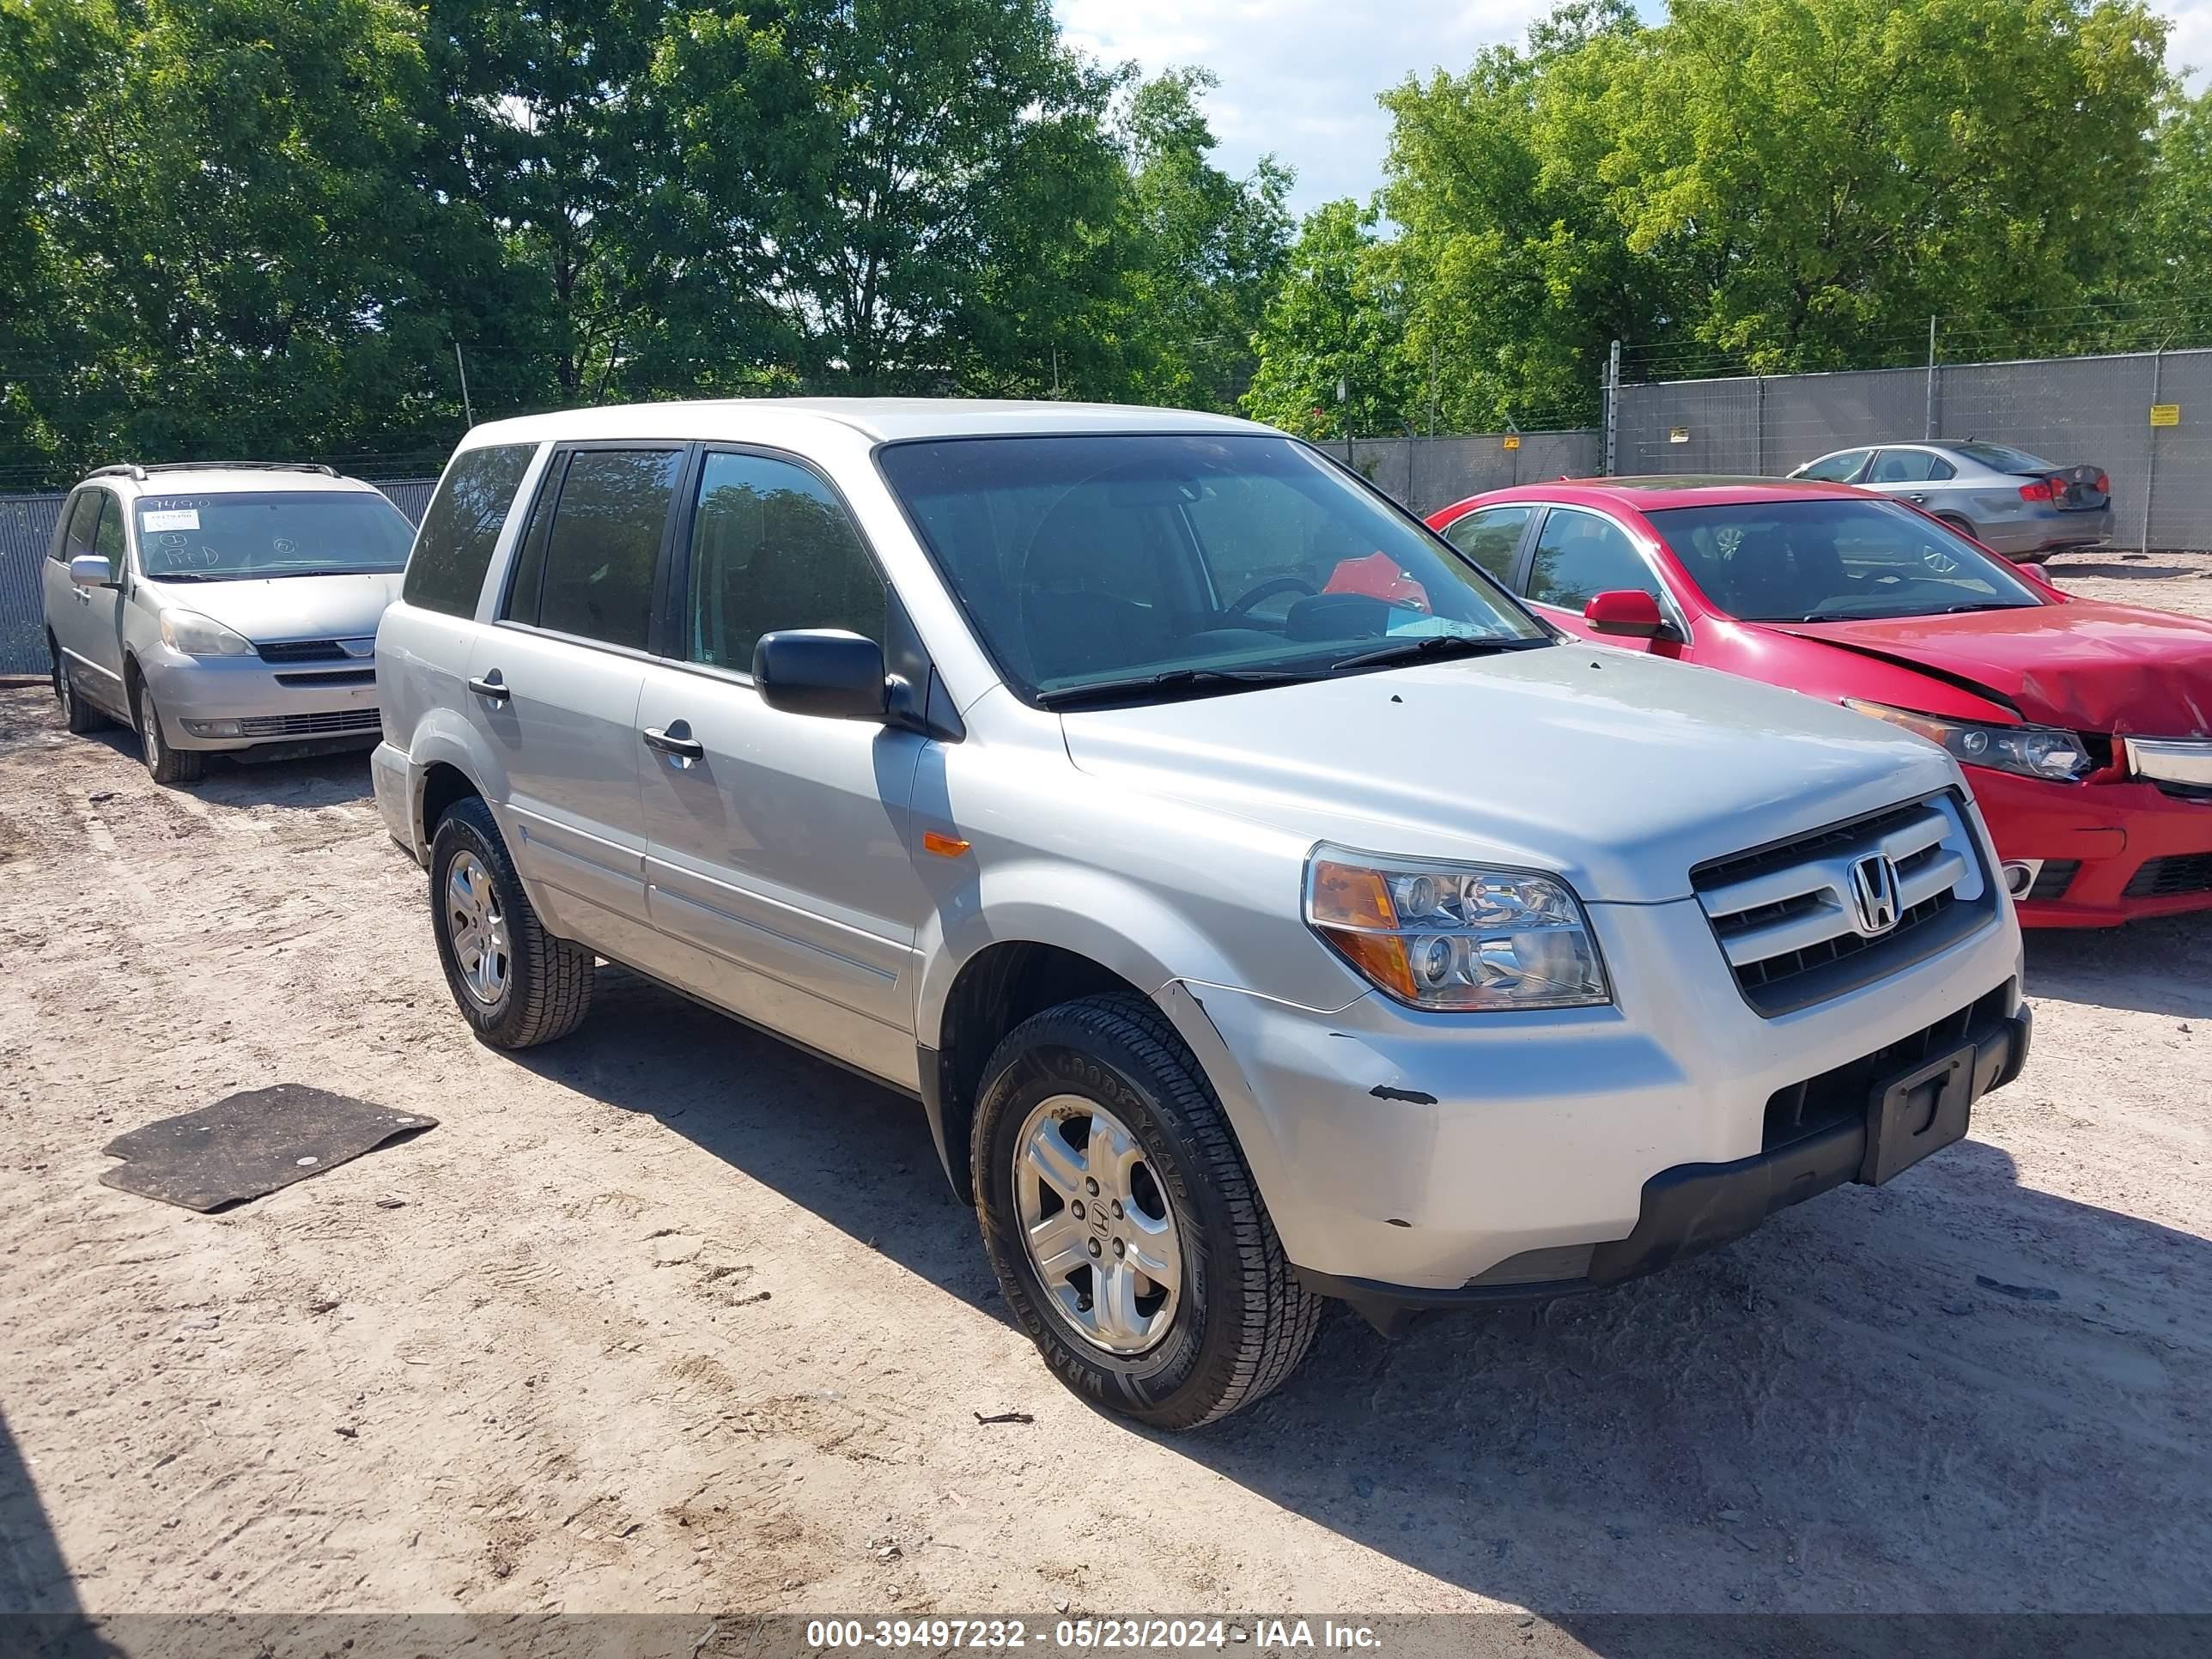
x=554, y=685
x=779, y=864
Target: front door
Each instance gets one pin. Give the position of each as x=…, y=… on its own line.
x=1578, y=554
x=554, y=687
x=86, y=620
x=779, y=864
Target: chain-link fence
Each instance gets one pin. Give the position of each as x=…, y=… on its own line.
x=26, y=530
x=2145, y=417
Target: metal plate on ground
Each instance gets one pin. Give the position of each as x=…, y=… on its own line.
x=253, y=1143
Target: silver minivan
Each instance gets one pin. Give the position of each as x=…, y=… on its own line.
x=223, y=606
x=1260, y=903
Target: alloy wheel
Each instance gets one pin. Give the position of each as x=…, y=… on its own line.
x=477, y=927
x=1096, y=1221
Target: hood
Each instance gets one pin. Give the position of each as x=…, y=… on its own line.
x=1616, y=771
x=2110, y=668
x=289, y=607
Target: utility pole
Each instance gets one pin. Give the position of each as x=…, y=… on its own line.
x=468, y=410
x=1055, y=371
x=1612, y=406
x=1432, y=387
x=1930, y=423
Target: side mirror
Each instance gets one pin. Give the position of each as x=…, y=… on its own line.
x=824, y=671
x=90, y=570
x=1629, y=612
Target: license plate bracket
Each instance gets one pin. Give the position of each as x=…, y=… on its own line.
x=1919, y=1112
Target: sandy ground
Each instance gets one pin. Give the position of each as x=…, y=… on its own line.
x=672, y=1318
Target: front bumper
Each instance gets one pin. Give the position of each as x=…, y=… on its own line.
x=2110, y=851
x=1424, y=1152
x=218, y=703
x=1695, y=1207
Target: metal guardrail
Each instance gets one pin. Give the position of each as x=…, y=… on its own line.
x=26, y=529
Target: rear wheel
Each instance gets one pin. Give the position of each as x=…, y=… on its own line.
x=167, y=765
x=80, y=716
x=517, y=984
x=1123, y=1224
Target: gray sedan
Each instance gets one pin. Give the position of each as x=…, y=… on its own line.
x=2013, y=502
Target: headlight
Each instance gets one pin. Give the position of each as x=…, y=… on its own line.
x=1456, y=936
x=2033, y=752
x=201, y=637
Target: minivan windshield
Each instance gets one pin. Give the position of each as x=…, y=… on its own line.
x=1130, y=567
x=1834, y=560
x=236, y=536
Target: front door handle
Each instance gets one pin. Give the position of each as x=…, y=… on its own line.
x=1916, y=498
x=492, y=687
x=676, y=739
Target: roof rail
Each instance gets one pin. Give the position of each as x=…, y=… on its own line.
x=138, y=470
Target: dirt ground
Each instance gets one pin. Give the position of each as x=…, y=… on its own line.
x=670, y=1317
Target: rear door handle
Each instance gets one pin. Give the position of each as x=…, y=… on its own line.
x=492, y=687
x=1916, y=498
x=671, y=742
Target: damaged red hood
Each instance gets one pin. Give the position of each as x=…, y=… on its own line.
x=2116, y=668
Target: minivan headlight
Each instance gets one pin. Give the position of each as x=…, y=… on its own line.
x=2032, y=751
x=201, y=637
x=1467, y=937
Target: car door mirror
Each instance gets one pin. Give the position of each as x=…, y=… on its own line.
x=824, y=671
x=90, y=570
x=1630, y=612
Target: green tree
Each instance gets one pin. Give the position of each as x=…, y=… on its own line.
x=1205, y=250
x=1336, y=319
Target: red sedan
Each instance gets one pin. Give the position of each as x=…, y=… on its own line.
x=2085, y=728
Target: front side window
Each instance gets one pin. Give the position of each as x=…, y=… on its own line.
x=462, y=527
x=588, y=569
x=1185, y=563
x=108, y=541
x=81, y=529
x=773, y=548
x=1834, y=560
x=1489, y=536
x=1579, y=554
x=258, y=535
x=1837, y=468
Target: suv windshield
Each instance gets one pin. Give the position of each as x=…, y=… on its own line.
x=236, y=536
x=1834, y=560
x=1139, y=565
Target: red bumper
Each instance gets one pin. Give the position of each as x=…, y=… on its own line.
x=2122, y=835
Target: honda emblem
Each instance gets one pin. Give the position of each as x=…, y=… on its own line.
x=1873, y=895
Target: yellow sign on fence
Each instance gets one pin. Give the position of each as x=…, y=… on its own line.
x=1513, y=441
x=2165, y=414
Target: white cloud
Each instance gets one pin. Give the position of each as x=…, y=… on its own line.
x=1298, y=77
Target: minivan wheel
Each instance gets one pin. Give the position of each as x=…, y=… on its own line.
x=517, y=984
x=80, y=716
x=1122, y=1222
x=167, y=765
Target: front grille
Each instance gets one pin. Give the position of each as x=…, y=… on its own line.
x=302, y=651
x=336, y=724
x=2171, y=878
x=2052, y=880
x=1784, y=916
x=1842, y=1095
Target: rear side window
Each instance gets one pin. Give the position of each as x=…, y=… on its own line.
x=592, y=575
x=453, y=549
x=772, y=548
x=1489, y=537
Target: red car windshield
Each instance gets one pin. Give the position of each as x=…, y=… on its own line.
x=1834, y=560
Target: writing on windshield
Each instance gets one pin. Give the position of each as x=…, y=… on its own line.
x=237, y=537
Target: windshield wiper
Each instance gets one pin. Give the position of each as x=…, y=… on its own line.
x=1172, y=681
x=2001, y=604
x=181, y=576
x=276, y=575
x=1433, y=645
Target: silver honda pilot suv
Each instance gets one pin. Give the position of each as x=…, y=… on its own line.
x=1261, y=905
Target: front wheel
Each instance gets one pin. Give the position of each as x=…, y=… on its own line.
x=517, y=984
x=1122, y=1222
x=167, y=765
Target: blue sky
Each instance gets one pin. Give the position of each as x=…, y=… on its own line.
x=1299, y=76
